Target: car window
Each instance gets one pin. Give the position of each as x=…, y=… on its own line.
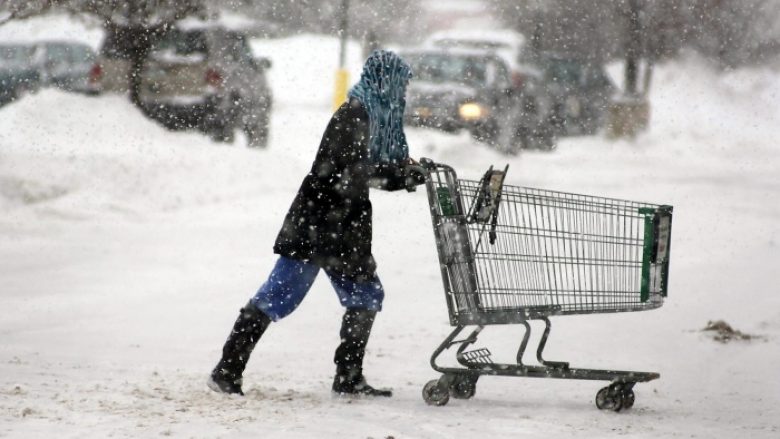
x=56, y=53
x=79, y=54
x=235, y=48
x=72, y=54
x=501, y=75
x=440, y=68
x=182, y=43
x=15, y=55
x=597, y=77
x=179, y=46
x=564, y=71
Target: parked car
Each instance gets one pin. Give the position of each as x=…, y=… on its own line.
x=17, y=72
x=197, y=75
x=65, y=65
x=527, y=78
x=572, y=94
x=505, y=43
x=471, y=89
x=580, y=92
x=569, y=93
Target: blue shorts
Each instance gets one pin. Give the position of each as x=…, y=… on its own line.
x=291, y=279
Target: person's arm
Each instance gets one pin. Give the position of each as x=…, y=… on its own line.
x=387, y=176
x=392, y=177
x=352, y=134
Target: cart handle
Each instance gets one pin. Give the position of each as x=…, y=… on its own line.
x=425, y=166
x=430, y=165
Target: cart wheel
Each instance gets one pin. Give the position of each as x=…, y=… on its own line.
x=464, y=386
x=435, y=394
x=628, y=398
x=609, y=398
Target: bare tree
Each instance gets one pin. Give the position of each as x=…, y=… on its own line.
x=729, y=32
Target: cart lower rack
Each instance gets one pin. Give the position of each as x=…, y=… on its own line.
x=510, y=255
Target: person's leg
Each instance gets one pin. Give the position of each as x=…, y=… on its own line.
x=247, y=330
x=284, y=290
x=362, y=301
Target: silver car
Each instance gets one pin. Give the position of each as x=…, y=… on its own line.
x=18, y=75
x=196, y=75
x=65, y=65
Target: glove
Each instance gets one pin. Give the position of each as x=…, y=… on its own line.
x=413, y=177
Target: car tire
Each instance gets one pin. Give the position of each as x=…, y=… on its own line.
x=223, y=134
x=543, y=137
x=256, y=135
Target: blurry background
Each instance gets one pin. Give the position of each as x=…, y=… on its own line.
x=558, y=51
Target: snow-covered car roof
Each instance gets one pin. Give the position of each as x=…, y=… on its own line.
x=47, y=27
x=505, y=43
x=225, y=20
x=452, y=51
x=494, y=38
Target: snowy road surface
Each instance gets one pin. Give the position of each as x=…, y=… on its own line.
x=126, y=252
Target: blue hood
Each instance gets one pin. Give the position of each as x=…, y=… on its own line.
x=382, y=89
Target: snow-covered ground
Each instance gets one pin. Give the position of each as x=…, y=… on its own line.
x=127, y=250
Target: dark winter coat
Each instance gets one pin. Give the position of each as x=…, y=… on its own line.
x=329, y=222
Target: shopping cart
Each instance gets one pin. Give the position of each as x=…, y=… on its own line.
x=511, y=254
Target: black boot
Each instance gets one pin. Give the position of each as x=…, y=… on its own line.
x=349, y=379
x=250, y=325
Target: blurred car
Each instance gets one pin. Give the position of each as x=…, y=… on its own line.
x=579, y=91
x=505, y=43
x=197, y=74
x=527, y=79
x=470, y=89
x=65, y=65
x=569, y=94
x=18, y=75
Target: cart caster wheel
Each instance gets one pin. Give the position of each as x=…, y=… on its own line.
x=435, y=394
x=610, y=398
x=628, y=398
x=464, y=386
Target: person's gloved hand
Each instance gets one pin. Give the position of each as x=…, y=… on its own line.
x=413, y=175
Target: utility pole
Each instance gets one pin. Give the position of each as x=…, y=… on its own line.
x=630, y=113
x=342, y=75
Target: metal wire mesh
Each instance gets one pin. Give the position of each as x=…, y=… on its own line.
x=554, y=252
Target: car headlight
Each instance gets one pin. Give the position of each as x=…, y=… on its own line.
x=472, y=111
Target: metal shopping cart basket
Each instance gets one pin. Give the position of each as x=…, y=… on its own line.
x=511, y=254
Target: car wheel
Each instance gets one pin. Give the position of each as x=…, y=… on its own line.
x=256, y=135
x=543, y=137
x=223, y=133
x=591, y=123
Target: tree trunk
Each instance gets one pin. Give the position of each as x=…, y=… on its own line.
x=633, y=47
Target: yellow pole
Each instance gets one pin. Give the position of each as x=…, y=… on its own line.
x=342, y=76
x=340, y=89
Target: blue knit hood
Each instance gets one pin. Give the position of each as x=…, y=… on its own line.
x=382, y=89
